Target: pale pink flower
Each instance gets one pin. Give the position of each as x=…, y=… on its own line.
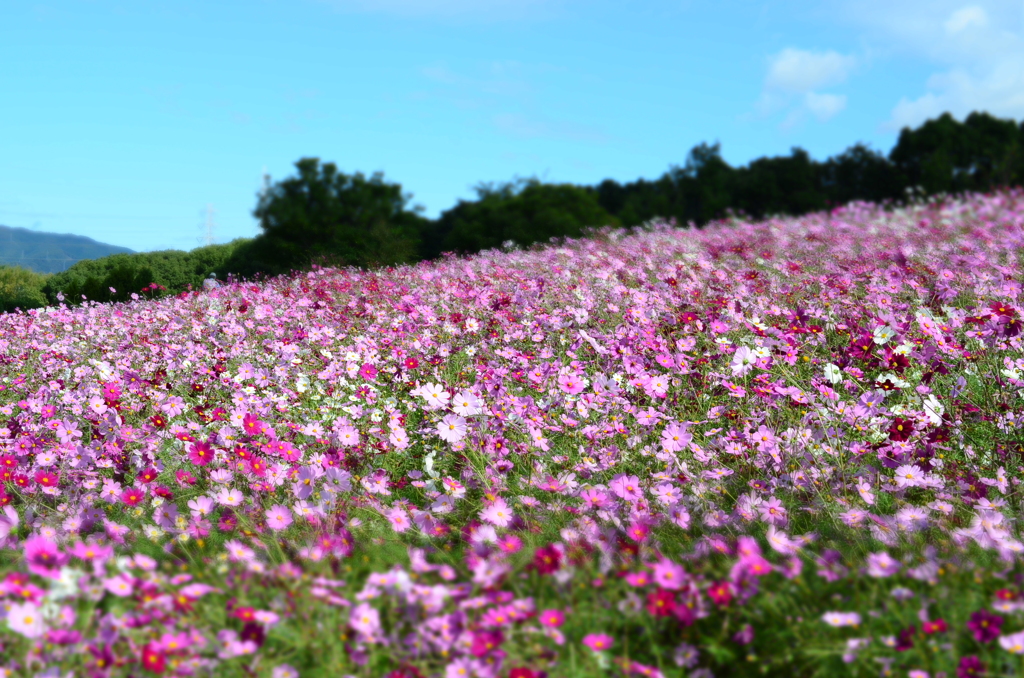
x=452, y=428
x=498, y=513
x=466, y=404
x=26, y=619
x=398, y=518
x=434, y=394
x=278, y=517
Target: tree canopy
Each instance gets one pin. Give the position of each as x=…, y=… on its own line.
x=322, y=214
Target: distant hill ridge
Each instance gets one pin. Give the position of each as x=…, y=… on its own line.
x=49, y=252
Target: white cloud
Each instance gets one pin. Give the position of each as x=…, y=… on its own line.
x=976, y=51
x=824, y=106
x=798, y=71
x=999, y=92
x=793, y=78
x=965, y=17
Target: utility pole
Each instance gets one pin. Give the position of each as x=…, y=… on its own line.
x=207, y=227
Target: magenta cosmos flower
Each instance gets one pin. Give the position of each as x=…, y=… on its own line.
x=200, y=454
x=985, y=626
x=552, y=618
x=43, y=557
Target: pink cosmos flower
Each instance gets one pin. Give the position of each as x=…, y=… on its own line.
x=675, y=437
x=200, y=453
x=510, y=543
x=47, y=478
x=279, y=517
x=498, y=513
x=398, y=518
x=348, y=436
x=452, y=428
x=669, y=575
x=841, y=619
x=638, y=579
x=570, y=383
x=594, y=498
x=229, y=496
x=552, y=618
x=434, y=394
x=120, y=585
x=882, y=565
x=598, y=641
x=91, y=551
x=773, y=512
x=638, y=531
x=626, y=487
x=399, y=438
x=466, y=404
x=365, y=620
x=133, y=496
x=1014, y=643
x=909, y=475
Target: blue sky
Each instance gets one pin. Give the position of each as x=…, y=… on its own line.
x=123, y=120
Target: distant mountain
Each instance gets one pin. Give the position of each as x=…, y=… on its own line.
x=49, y=252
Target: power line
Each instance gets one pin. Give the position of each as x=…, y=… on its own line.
x=206, y=238
x=86, y=216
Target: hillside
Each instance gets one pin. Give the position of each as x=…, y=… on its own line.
x=789, y=448
x=49, y=252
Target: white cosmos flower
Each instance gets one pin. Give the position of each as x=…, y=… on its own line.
x=882, y=335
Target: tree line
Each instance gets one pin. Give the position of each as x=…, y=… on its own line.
x=323, y=216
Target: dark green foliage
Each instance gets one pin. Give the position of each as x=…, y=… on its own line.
x=860, y=173
x=976, y=155
x=943, y=155
x=780, y=185
x=21, y=288
x=174, y=270
x=116, y=279
x=524, y=211
x=327, y=216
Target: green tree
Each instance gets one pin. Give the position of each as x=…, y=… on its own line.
x=325, y=215
x=779, y=185
x=706, y=183
x=522, y=211
x=944, y=155
x=860, y=173
x=21, y=288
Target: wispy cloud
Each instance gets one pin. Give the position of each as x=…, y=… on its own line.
x=526, y=127
x=824, y=106
x=797, y=71
x=504, y=85
x=793, y=78
x=965, y=18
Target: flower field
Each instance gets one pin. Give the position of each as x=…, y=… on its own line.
x=786, y=448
